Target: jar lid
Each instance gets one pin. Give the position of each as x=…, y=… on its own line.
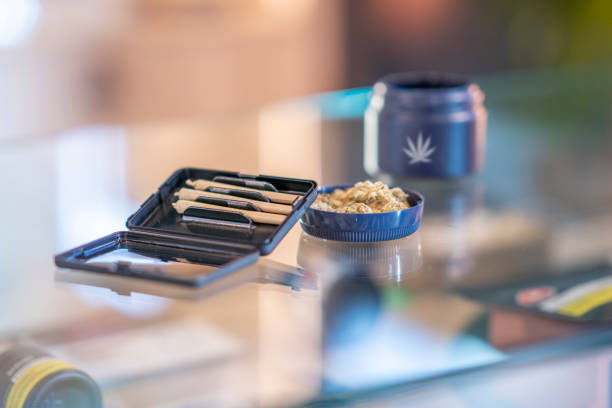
x=368, y=227
x=427, y=89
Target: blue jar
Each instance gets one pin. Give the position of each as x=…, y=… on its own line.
x=425, y=125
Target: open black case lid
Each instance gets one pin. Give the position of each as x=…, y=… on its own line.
x=196, y=247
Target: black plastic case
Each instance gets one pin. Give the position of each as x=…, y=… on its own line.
x=223, y=239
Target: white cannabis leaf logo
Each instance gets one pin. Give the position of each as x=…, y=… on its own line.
x=421, y=152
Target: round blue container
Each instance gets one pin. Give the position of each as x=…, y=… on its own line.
x=356, y=227
x=425, y=125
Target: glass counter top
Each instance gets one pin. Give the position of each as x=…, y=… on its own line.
x=315, y=321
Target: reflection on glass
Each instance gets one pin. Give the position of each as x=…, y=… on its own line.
x=265, y=271
x=376, y=334
x=151, y=264
x=376, y=329
x=135, y=305
x=484, y=247
x=370, y=338
x=389, y=260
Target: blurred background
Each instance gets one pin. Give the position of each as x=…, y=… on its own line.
x=100, y=100
x=66, y=63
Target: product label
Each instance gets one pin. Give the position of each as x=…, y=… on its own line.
x=26, y=378
x=585, y=304
x=580, y=299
